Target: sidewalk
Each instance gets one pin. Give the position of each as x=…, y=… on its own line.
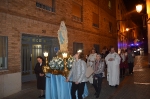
x=136, y=86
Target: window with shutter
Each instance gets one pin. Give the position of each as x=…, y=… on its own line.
x=46, y=5
x=77, y=11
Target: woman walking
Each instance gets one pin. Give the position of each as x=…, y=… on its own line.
x=98, y=68
x=123, y=64
x=78, y=76
x=40, y=76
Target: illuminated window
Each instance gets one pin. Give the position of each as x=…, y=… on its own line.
x=3, y=52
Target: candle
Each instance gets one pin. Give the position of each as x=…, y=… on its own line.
x=79, y=51
x=64, y=55
x=45, y=54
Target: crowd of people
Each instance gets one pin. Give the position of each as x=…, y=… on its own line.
x=107, y=64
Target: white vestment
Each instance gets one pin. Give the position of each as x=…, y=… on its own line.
x=92, y=57
x=113, y=69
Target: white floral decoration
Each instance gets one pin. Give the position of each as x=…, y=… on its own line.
x=58, y=63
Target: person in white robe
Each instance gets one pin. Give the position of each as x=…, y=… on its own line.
x=113, y=68
x=90, y=60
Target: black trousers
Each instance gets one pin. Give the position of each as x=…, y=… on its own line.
x=97, y=83
x=131, y=65
x=122, y=71
x=77, y=87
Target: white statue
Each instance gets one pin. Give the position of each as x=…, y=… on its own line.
x=63, y=37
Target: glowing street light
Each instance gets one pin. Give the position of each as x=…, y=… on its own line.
x=127, y=29
x=139, y=8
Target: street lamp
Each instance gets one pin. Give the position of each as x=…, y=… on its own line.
x=139, y=8
x=127, y=29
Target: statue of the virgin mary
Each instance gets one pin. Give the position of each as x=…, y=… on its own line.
x=63, y=37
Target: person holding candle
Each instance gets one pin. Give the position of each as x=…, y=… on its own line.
x=78, y=76
x=40, y=76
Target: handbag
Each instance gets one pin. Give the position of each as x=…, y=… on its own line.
x=89, y=71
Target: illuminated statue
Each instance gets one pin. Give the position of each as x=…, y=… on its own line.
x=63, y=37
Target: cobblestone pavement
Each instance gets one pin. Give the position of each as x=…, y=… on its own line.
x=135, y=86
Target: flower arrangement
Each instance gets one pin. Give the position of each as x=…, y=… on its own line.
x=70, y=62
x=58, y=63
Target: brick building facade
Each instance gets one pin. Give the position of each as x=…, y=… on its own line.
x=89, y=23
x=125, y=38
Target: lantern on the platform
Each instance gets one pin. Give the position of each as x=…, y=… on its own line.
x=46, y=68
x=65, y=55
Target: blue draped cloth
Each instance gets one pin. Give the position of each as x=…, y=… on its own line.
x=58, y=88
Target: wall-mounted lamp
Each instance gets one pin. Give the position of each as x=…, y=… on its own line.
x=139, y=8
x=127, y=29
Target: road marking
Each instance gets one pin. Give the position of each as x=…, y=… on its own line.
x=141, y=83
x=138, y=70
